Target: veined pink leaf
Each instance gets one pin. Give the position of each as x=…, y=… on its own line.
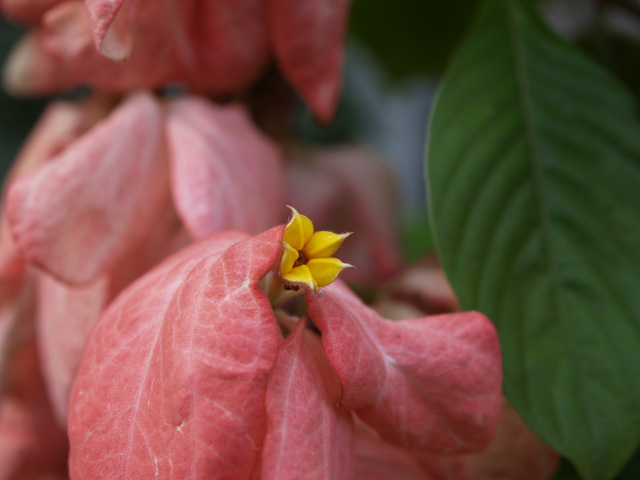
x=61, y=123
x=308, y=37
x=307, y=436
x=224, y=172
x=79, y=214
x=431, y=382
x=361, y=199
x=67, y=314
x=184, y=395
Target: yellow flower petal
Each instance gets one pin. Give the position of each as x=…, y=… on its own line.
x=301, y=276
x=298, y=231
x=325, y=270
x=323, y=244
x=289, y=256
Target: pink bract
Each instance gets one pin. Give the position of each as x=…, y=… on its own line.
x=224, y=171
x=308, y=37
x=191, y=402
x=213, y=47
x=216, y=46
x=80, y=214
x=399, y=376
x=67, y=314
x=77, y=215
x=302, y=381
x=204, y=386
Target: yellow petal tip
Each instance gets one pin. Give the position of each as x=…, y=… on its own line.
x=298, y=231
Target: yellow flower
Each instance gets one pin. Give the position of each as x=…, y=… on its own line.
x=306, y=255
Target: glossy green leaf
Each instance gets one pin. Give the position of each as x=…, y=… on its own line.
x=534, y=175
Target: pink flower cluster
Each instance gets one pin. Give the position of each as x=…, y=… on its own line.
x=217, y=392
x=216, y=48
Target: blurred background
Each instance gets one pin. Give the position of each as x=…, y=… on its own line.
x=17, y=116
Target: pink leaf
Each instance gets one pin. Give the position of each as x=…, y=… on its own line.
x=226, y=44
x=225, y=173
x=60, y=124
x=67, y=314
x=79, y=214
x=59, y=54
x=307, y=436
x=65, y=319
x=431, y=382
x=183, y=396
x=308, y=37
x=216, y=46
x=113, y=39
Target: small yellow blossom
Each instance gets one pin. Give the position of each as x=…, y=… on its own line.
x=306, y=255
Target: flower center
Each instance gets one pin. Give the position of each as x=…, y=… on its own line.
x=301, y=260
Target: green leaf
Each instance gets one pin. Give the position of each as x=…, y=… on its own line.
x=534, y=175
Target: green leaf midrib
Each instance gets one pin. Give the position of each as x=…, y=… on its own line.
x=552, y=261
x=529, y=127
